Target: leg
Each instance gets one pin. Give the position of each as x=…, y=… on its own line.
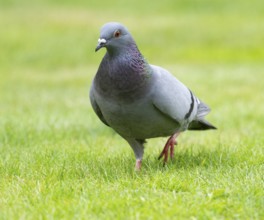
x=169, y=146
x=138, y=148
x=138, y=164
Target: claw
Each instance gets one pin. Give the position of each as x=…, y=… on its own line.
x=169, y=146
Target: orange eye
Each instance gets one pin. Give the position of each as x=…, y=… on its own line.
x=117, y=33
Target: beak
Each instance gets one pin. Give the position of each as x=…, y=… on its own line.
x=101, y=43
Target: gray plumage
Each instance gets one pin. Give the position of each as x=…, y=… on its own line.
x=139, y=100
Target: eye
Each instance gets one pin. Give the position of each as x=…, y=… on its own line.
x=117, y=33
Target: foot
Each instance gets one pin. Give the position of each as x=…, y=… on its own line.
x=169, y=146
x=138, y=165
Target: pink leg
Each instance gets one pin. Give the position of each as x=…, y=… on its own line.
x=169, y=146
x=138, y=165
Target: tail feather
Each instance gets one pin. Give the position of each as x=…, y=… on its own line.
x=203, y=110
x=200, y=123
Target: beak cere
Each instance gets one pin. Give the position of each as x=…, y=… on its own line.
x=101, y=43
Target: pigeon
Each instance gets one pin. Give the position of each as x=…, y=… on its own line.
x=139, y=100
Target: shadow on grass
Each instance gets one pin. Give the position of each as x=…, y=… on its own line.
x=188, y=159
x=79, y=162
x=118, y=166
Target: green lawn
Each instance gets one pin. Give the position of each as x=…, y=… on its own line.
x=58, y=161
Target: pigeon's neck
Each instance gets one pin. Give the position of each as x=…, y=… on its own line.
x=128, y=51
x=123, y=72
x=127, y=60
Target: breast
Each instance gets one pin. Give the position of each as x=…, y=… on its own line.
x=138, y=119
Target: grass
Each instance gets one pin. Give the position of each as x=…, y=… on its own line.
x=58, y=161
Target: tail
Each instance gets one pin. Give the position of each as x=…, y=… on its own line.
x=200, y=123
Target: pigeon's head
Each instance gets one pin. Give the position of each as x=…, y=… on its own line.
x=114, y=36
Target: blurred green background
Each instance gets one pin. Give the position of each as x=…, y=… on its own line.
x=57, y=34
x=55, y=153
